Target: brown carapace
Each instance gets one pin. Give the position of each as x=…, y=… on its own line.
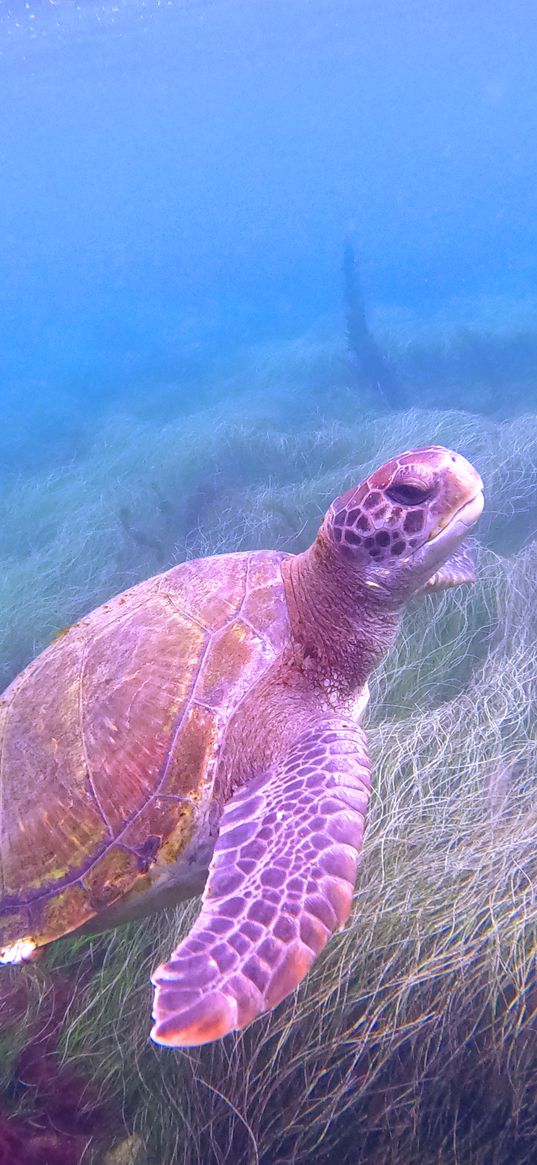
x=202, y=732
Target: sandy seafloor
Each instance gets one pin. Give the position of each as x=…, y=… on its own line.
x=185, y=372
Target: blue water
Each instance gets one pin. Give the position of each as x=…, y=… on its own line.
x=181, y=369
x=177, y=179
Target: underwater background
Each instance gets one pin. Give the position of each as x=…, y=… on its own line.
x=247, y=251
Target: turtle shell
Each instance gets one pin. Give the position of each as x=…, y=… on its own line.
x=108, y=739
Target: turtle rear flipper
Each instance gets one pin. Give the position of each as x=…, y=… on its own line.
x=281, y=881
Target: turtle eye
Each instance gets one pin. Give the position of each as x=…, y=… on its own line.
x=408, y=493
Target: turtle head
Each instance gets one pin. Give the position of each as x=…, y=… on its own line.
x=402, y=528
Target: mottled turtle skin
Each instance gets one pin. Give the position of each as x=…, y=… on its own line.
x=202, y=731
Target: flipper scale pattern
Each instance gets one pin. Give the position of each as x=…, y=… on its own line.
x=281, y=881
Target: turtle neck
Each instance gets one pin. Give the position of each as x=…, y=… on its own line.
x=342, y=627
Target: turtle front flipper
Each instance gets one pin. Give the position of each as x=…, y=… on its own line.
x=280, y=882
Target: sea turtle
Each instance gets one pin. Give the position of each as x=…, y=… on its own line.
x=202, y=731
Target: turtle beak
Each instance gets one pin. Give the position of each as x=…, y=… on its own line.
x=442, y=554
x=471, y=503
x=463, y=498
x=466, y=516
x=472, y=510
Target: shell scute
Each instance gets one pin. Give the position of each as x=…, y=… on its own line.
x=109, y=739
x=266, y=612
x=40, y=743
x=232, y=659
x=62, y=912
x=13, y=924
x=111, y=876
x=133, y=699
x=207, y=595
x=187, y=768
